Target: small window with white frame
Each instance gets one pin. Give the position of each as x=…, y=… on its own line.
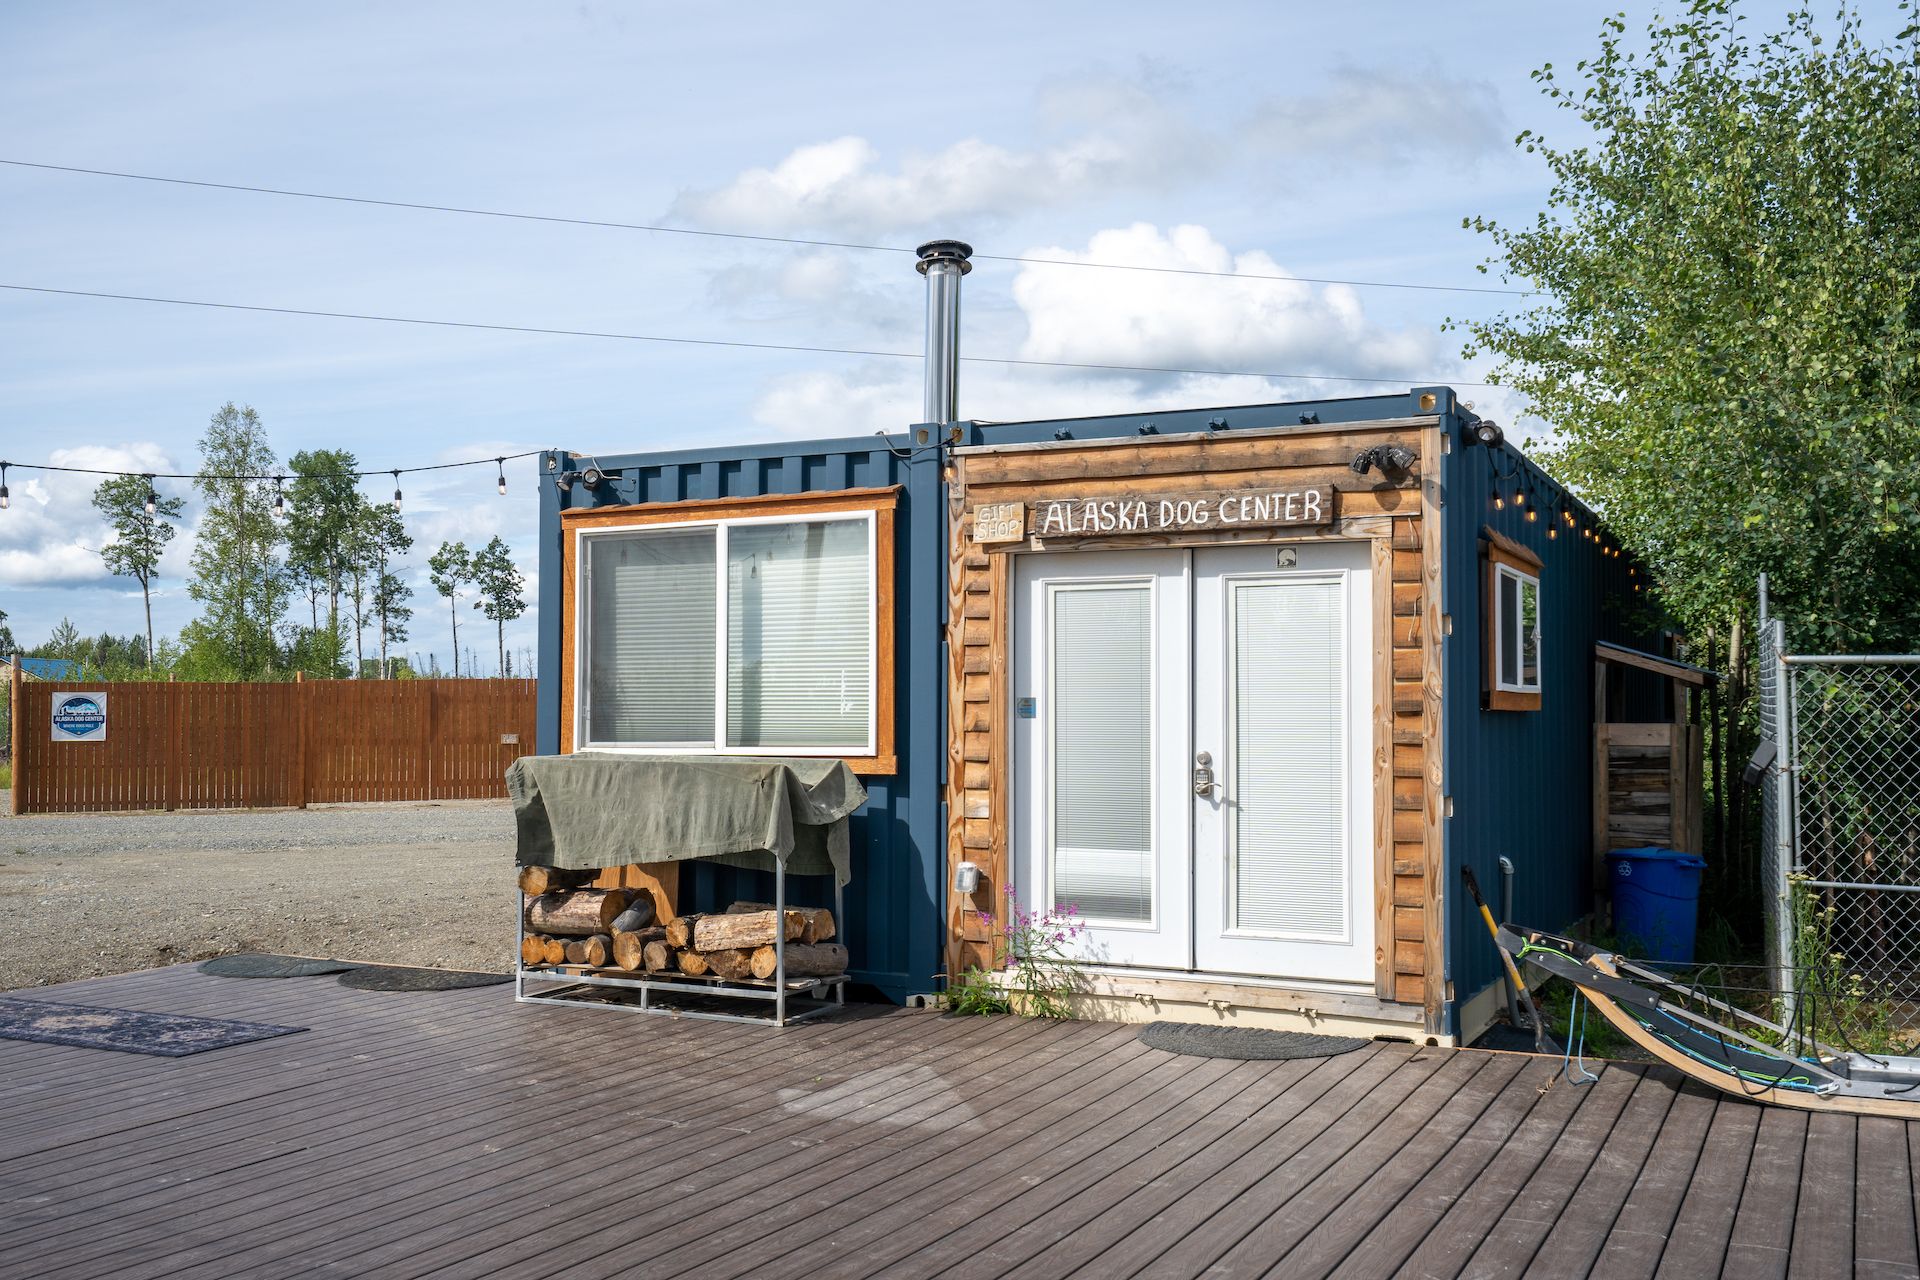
x=751, y=635
x=1513, y=627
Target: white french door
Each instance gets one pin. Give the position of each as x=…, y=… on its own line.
x=1192, y=745
x=1283, y=842
x=1100, y=727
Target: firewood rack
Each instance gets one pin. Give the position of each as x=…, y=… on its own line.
x=777, y=1001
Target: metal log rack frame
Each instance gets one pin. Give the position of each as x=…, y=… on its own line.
x=790, y=1001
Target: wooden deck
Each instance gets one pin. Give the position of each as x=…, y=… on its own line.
x=458, y=1134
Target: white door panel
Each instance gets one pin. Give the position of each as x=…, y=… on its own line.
x=1283, y=864
x=1100, y=690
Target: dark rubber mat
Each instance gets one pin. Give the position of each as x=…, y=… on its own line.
x=1253, y=1043
x=260, y=964
x=379, y=977
x=168, y=1035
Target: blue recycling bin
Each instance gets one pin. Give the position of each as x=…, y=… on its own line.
x=1656, y=901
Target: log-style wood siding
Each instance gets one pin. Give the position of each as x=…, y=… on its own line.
x=1399, y=517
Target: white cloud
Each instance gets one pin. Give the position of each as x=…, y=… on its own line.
x=1120, y=134
x=1133, y=318
x=51, y=536
x=1356, y=117
x=1205, y=322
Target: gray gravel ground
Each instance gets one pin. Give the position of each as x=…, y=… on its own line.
x=94, y=894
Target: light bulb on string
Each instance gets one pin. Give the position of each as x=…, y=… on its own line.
x=153, y=499
x=279, y=498
x=502, y=486
x=396, y=491
x=5, y=501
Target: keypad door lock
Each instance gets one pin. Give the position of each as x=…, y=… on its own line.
x=1203, y=783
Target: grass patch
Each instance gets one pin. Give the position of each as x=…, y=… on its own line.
x=6, y=777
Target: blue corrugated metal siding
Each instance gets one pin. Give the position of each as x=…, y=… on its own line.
x=893, y=906
x=1521, y=782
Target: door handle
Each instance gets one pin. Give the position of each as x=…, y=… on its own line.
x=1203, y=783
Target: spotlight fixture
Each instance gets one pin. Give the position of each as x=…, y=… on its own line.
x=396, y=490
x=1488, y=432
x=501, y=487
x=1392, y=460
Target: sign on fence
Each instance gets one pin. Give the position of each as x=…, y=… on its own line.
x=80, y=717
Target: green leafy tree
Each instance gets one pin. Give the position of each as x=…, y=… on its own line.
x=502, y=590
x=323, y=501
x=65, y=642
x=451, y=568
x=388, y=540
x=239, y=579
x=7, y=645
x=1727, y=331
x=139, y=537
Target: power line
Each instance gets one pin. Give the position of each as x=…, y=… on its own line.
x=662, y=229
x=724, y=342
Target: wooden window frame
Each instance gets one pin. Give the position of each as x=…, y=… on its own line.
x=1503, y=554
x=878, y=504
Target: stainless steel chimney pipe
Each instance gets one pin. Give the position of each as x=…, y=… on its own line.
x=943, y=262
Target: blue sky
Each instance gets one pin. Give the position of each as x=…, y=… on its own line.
x=1333, y=141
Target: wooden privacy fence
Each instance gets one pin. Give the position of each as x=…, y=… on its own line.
x=257, y=746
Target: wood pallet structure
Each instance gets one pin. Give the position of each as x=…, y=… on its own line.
x=611, y=937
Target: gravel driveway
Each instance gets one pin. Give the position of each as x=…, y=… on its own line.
x=94, y=894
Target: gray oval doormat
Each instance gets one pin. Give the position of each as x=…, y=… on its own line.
x=381, y=977
x=1253, y=1043
x=259, y=964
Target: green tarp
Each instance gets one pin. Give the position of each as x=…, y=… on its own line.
x=605, y=809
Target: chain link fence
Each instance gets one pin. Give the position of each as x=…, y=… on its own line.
x=1840, y=823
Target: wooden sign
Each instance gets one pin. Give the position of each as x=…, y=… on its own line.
x=1178, y=513
x=1000, y=522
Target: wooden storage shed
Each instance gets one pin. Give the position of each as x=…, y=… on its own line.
x=1245, y=685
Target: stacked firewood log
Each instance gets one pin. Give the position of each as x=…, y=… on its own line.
x=568, y=923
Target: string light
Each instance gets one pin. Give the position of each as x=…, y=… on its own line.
x=396, y=490
x=5, y=501
x=279, y=498
x=502, y=486
x=153, y=499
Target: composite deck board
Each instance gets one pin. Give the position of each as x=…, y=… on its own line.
x=456, y=1176
x=804, y=1127
x=1041, y=1219
x=1697, y=1245
x=1639, y=1237
x=375, y=1162
x=1884, y=1245
x=1381, y=1226
x=1409, y=1095
x=1763, y=1224
x=408, y=1135
x=1823, y=1221
x=1102, y=1221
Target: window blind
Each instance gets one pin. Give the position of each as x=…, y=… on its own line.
x=1288, y=796
x=650, y=628
x=799, y=635
x=1102, y=661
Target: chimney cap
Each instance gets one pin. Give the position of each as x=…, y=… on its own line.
x=944, y=251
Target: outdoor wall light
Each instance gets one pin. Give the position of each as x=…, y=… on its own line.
x=966, y=878
x=1392, y=460
x=1488, y=432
